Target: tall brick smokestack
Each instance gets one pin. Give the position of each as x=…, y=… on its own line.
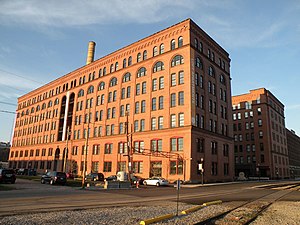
x=91, y=52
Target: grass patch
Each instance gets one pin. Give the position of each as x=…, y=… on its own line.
x=35, y=178
x=6, y=188
x=74, y=183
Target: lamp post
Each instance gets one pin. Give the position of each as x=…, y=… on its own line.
x=85, y=152
x=201, y=169
x=66, y=151
x=257, y=171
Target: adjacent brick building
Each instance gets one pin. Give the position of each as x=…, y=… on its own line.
x=260, y=145
x=175, y=86
x=293, y=145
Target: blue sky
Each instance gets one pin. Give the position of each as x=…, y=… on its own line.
x=43, y=40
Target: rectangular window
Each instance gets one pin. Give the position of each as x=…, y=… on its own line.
x=122, y=166
x=181, y=119
x=144, y=87
x=200, y=144
x=181, y=77
x=123, y=93
x=108, y=148
x=137, y=89
x=161, y=83
x=154, y=84
x=161, y=102
x=95, y=166
x=128, y=92
x=143, y=106
x=173, y=99
x=107, y=166
x=137, y=108
x=138, y=167
x=96, y=149
x=181, y=98
x=153, y=123
x=176, y=167
x=173, y=79
x=160, y=122
x=173, y=120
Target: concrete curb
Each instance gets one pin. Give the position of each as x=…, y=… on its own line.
x=200, y=206
x=212, y=203
x=156, y=219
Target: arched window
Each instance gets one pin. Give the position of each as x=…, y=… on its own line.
x=116, y=66
x=200, y=46
x=104, y=71
x=49, y=103
x=38, y=108
x=44, y=106
x=145, y=55
x=161, y=49
x=222, y=79
x=158, y=66
x=198, y=63
x=196, y=43
x=83, y=79
x=124, y=63
x=177, y=60
x=90, y=77
x=80, y=93
x=211, y=71
x=155, y=52
x=91, y=89
x=56, y=102
x=139, y=57
x=129, y=61
x=22, y=113
x=113, y=82
x=27, y=112
x=141, y=72
x=32, y=110
x=101, y=86
x=180, y=42
x=100, y=73
x=111, y=68
x=126, y=77
x=173, y=44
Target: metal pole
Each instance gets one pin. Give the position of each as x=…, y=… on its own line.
x=128, y=145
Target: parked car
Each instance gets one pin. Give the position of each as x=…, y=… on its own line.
x=54, y=177
x=111, y=178
x=22, y=171
x=158, y=181
x=7, y=175
x=95, y=177
x=136, y=179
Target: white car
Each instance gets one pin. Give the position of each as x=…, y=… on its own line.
x=158, y=181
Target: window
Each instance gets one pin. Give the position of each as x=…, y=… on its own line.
x=173, y=120
x=139, y=57
x=211, y=71
x=200, y=144
x=173, y=79
x=155, y=51
x=142, y=125
x=181, y=119
x=176, y=144
x=153, y=107
x=160, y=122
x=101, y=86
x=80, y=94
x=198, y=63
x=181, y=77
x=139, y=146
x=161, y=102
x=145, y=55
x=173, y=99
x=141, y=72
x=116, y=66
x=173, y=44
x=128, y=92
x=176, y=167
x=154, y=84
x=107, y=166
x=196, y=43
x=137, y=107
x=161, y=83
x=111, y=68
x=144, y=87
x=129, y=61
x=153, y=123
x=180, y=42
x=122, y=147
x=108, y=148
x=214, y=168
x=214, y=147
x=177, y=60
x=113, y=82
x=143, y=106
x=158, y=66
x=181, y=98
x=161, y=49
x=137, y=89
x=124, y=63
x=96, y=149
x=126, y=77
x=156, y=145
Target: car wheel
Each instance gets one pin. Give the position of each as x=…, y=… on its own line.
x=51, y=182
x=42, y=181
x=145, y=183
x=157, y=184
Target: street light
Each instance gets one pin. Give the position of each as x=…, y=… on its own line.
x=201, y=168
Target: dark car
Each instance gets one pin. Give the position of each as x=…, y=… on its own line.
x=22, y=171
x=95, y=177
x=111, y=178
x=54, y=177
x=138, y=179
x=7, y=175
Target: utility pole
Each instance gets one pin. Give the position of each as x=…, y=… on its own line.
x=85, y=152
x=66, y=150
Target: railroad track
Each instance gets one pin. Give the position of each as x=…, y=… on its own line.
x=247, y=212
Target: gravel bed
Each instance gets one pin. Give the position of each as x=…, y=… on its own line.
x=279, y=213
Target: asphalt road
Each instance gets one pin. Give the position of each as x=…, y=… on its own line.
x=31, y=196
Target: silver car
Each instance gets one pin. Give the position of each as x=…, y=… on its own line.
x=157, y=181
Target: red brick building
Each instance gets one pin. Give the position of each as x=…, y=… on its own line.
x=293, y=145
x=175, y=86
x=260, y=145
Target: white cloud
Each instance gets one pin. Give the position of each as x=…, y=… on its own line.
x=291, y=107
x=80, y=13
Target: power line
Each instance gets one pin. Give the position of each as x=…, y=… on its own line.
x=21, y=76
x=7, y=103
x=4, y=111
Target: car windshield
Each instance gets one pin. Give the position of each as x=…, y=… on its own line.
x=8, y=172
x=61, y=174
